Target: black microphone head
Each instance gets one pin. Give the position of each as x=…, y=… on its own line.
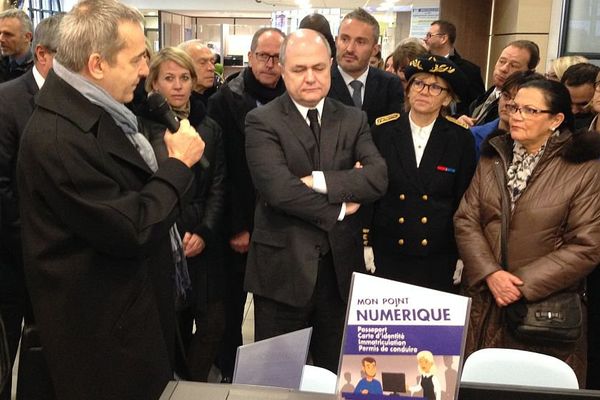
x=162, y=112
x=157, y=103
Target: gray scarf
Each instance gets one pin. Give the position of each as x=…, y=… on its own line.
x=127, y=121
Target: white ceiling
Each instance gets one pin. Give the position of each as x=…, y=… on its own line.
x=261, y=7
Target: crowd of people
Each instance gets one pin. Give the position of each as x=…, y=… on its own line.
x=127, y=249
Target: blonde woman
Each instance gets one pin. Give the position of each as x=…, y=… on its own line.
x=428, y=383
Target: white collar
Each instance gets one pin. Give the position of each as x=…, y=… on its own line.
x=39, y=79
x=347, y=78
x=422, y=129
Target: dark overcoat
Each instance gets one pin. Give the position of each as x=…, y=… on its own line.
x=98, y=259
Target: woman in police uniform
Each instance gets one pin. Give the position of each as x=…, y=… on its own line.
x=431, y=159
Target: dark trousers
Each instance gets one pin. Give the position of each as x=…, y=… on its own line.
x=14, y=306
x=201, y=347
x=235, y=300
x=325, y=312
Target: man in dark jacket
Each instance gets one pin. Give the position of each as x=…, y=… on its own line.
x=16, y=32
x=440, y=41
x=16, y=99
x=518, y=55
x=353, y=82
x=254, y=86
x=103, y=259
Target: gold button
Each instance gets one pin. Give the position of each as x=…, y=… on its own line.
x=402, y=197
x=424, y=242
x=401, y=220
x=424, y=197
x=401, y=242
x=424, y=220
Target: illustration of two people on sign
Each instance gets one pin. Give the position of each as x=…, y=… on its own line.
x=428, y=382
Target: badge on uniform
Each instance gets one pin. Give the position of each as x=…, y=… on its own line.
x=446, y=169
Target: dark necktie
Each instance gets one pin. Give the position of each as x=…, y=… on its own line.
x=313, y=118
x=356, y=94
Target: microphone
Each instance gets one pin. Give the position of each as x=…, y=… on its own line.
x=160, y=109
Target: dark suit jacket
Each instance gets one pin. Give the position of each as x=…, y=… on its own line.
x=492, y=112
x=16, y=106
x=383, y=93
x=291, y=219
x=476, y=85
x=228, y=107
x=399, y=214
x=98, y=259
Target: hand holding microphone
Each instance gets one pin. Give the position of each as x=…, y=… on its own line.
x=181, y=139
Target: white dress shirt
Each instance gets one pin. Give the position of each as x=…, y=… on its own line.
x=347, y=79
x=319, y=184
x=420, y=136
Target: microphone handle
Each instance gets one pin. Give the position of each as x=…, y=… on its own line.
x=173, y=125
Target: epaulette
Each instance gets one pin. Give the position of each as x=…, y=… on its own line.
x=457, y=122
x=387, y=118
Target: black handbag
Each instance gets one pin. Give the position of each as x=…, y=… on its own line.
x=555, y=319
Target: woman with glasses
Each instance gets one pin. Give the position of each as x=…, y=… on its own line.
x=547, y=178
x=172, y=74
x=430, y=159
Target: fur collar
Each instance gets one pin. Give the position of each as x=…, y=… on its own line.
x=583, y=145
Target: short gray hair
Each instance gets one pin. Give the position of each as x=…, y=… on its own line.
x=92, y=26
x=46, y=33
x=189, y=43
x=284, y=45
x=259, y=33
x=26, y=25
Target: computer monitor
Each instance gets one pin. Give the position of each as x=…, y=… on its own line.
x=394, y=382
x=233, y=59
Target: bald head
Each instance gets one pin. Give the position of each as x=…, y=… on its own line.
x=305, y=58
x=204, y=63
x=303, y=36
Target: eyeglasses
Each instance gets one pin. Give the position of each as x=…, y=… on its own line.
x=264, y=57
x=525, y=111
x=433, y=88
x=429, y=35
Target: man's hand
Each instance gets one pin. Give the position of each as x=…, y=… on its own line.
x=240, y=242
x=193, y=244
x=504, y=287
x=185, y=144
x=351, y=208
x=467, y=120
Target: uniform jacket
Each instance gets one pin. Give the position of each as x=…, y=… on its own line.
x=292, y=221
x=98, y=259
x=553, y=238
x=228, y=107
x=383, y=93
x=415, y=215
